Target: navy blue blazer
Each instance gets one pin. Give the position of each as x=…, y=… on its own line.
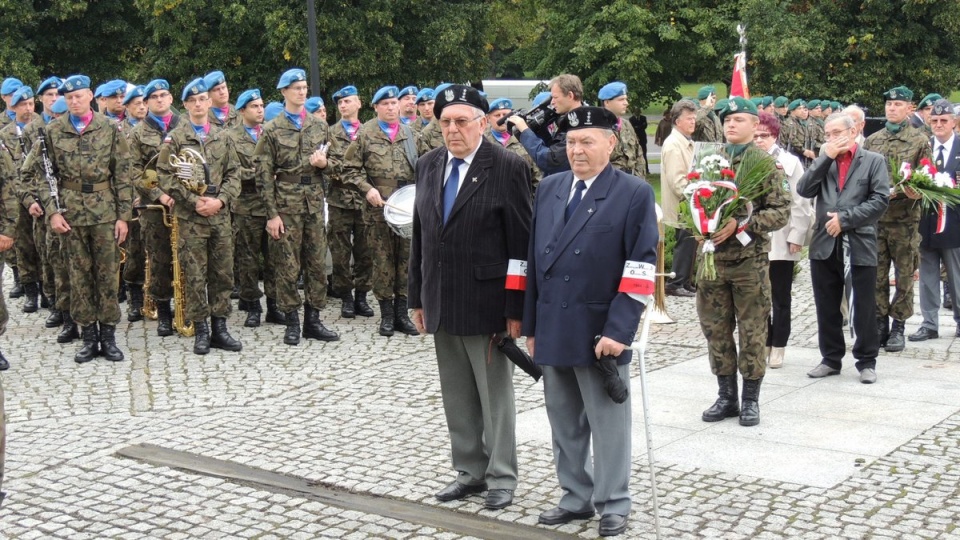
x=950, y=237
x=574, y=269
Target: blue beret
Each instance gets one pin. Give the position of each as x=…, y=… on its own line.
x=540, y=98
x=612, y=90
x=74, y=83
x=49, y=84
x=153, y=86
x=98, y=93
x=59, y=106
x=408, y=91
x=193, y=88
x=425, y=94
x=501, y=103
x=291, y=76
x=113, y=88
x=9, y=85
x=21, y=94
x=588, y=117
x=271, y=111
x=459, y=94
x=313, y=104
x=214, y=78
x=346, y=91
x=705, y=92
x=247, y=96
x=387, y=92
x=137, y=92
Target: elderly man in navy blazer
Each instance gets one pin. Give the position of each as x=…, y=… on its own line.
x=852, y=187
x=590, y=271
x=471, y=221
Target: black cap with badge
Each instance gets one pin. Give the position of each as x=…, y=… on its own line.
x=459, y=94
x=588, y=117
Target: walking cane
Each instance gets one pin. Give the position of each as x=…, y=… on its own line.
x=641, y=348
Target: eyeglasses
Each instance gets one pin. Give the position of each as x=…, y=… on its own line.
x=762, y=135
x=159, y=95
x=461, y=123
x=940, y=120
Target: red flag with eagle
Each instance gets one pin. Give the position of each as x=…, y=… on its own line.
x=738, y=86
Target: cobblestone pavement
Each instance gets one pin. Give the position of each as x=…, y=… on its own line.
x=363, y=414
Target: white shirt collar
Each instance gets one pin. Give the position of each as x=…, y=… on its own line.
x=587, y=181
x=947, y=146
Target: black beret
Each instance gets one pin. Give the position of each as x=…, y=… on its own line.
x=588, y=117
x=942, y=106
x=459, y=94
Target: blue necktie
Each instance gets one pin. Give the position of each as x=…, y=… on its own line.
x=575, y=201
x=939, y=162
x=450, y=188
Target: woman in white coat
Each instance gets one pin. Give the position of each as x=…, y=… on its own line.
x=786, y=243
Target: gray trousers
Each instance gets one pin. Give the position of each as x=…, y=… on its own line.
x=476, y=383
x=930, y=284
x=578, y=407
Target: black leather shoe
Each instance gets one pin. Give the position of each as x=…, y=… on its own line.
x=386, y=318
x=220, y=338
x=108, y=343
x=135, y=305
x=69, y=332
x=947, y=297
x=401, y=321
x=727, y=404
x=4, y=364
x=243, y=305
x=313, y=328
x=559, y=516
x=923, y=334
x=895, y=343
x=291, y=336
x=30, y=293
x=750, y=402
x=498, y=499
x=235, y=293
x=680, y=291
x=254, y=312
x=456, y=491
x=274, y=315
x=89, y=350
x=54, y=320
x=347, y=310
x=612, y=525
x=360, y=305
x=164, y=318
x=17, y=290
x=201, y=337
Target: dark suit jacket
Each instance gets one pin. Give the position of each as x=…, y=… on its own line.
x=950, y=237
x=458, y=270
x=574, y=269
x=863, y=200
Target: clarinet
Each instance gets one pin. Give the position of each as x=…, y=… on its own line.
x=48, y=171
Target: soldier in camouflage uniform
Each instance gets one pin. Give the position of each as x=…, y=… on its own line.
x=627, y=155
x=315, y=107
x=92, y=161
x=798, y=143
x=381, y=160
x=348, y=231
x=133, y=268
x=8, y=231
x=292, y=155
x=430, y=137
x=898, y=234
x=920, y=119
x=202, y=197
x=740, y=295
x=250, y=216
x=787, y=124
x=815, y=128
x=500, y=108
x=425, y=101
x=222, y=114
x=408, y=106
x=7, y=88
x=709, y=128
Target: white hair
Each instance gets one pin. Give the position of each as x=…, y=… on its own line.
x=855, y=112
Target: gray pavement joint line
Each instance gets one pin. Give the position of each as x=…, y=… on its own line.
x=406, y=511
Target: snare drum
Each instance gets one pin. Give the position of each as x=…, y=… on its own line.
x=398, y=211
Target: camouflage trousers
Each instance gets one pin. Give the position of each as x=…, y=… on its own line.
x=4, y=318
x=28, y=258
x=58, y=261
x=250, y=257
x=47, y=276
x=206, y=262
x=303, y=245
x=899, y=244
x=94, y=262
x=390, y=254
x=348, y=236
x=155, y=239
x=133, y=268
x=740, y=296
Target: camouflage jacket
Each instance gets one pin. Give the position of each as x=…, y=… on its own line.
x=31, y=183
x=248, y=202
x=908, y=145
x=787, y=127
x=771, y=212
x=8, y=200
x=627, y=154
x=798, y=137
x=430, y=137
x=374, y=161
x=514, y=145
x=145, y=141
x=99, y=154
x=233, y=118
x=221, y=162
x=283, y=154
x=16, y=144
x=339, y=193
x=709, y=128
x=816, y=134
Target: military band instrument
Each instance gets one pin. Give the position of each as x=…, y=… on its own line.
x=180, y=323
x=48, y=173
x=190, y=167
x=149, y=309
x=398, y=211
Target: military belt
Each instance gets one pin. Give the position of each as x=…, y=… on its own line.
x=248, y=187
x=295, y=179
x=212, y=190
x=86, y=188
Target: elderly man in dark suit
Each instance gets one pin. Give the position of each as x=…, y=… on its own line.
x=852, y=187
x=940, y=230
x=471, y=222
x=591, y=263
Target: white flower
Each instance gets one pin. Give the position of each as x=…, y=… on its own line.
x=942, y=179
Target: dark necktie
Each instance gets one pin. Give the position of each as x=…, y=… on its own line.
x=575, y=201
x=450, y=188
x=939, y=162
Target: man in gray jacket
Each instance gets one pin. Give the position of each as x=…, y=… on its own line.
x=852, y=186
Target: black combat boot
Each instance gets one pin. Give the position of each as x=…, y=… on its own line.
x=274, y=315
x=895, y=343
x=4, y=364
x=17, y=290
x=750, y=402
x=360, y=305
x=313, y=328
x=221, y=338
x=45, y=301
x=947, y=297
x=243, y=305
x=108, y=343
x=401, y=321
x=347, y=308
x=386, y=318
x=69, y=332
x=30, y=293
x=254, y=311
x=235, y=293
x=88, y=351
x=727, y=405
x=164, y=318
x=291, y=336
x=135, y=305
x=883, y=330
x=55, y=318
x=201, y=337
x=122, y=293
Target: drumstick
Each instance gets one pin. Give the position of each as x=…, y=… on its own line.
x=398, y=209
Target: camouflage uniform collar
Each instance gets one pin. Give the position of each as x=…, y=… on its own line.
x=896, y=128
